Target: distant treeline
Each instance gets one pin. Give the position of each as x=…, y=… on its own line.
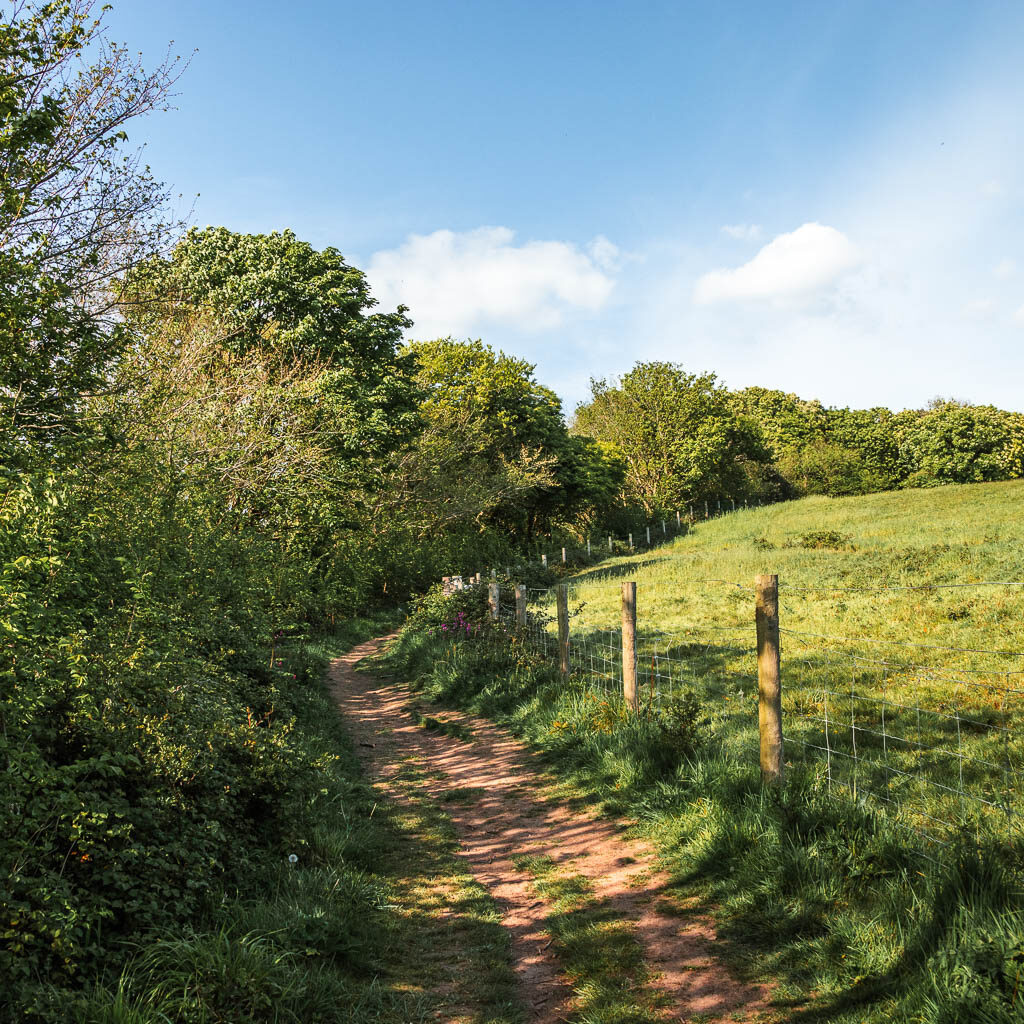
x=684, y=438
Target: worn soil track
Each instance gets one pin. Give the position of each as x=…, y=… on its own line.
x=501, y=818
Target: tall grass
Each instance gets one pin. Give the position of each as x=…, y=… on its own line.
x=347, y=931
x=903, y=669
x=855, y=917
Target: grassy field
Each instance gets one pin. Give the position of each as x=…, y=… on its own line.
x=911, y=698
x=852, y=918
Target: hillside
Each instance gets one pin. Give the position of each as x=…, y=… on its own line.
x=902, y=639
x=881, y=881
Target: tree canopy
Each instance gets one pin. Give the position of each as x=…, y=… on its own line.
x=676, y=432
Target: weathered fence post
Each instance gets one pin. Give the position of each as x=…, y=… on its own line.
x=631, y=542
x=679, y=524
x=769, y=681
x=629, y=689
x=588, y=547
x=544, y=560
x=493, y=598
x=562, y=598
x=733, y=500
x=520, y=605
x=609, y=543
x=563, y=556
x=648, y=536
x=664, y=529
x=719, y=503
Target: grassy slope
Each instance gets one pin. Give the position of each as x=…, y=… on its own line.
x=814, y=890
x=699, y=635
x=945, y=535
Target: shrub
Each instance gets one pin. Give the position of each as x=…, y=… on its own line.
x=830, y=539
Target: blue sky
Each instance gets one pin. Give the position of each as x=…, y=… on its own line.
x=823, y=198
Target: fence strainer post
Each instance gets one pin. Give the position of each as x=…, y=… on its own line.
x=769, y=681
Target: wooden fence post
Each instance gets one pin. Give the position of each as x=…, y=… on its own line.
x=664, y=529
x=648, y=536
x=631, y=542
x=609, y=543
x=562, y=597
x=769, y=679
x=544, y=560
x=588, y=547
x=629, y=689
x=520, y=604
x=733, y=500
x=493, y=598
x=563, y=556
x=679, y=524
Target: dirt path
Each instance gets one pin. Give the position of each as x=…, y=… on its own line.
x=499, y=820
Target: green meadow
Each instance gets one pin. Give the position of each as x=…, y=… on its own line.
x=881, y=882
x=902, y=640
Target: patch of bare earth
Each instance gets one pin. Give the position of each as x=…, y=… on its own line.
x=497, y=819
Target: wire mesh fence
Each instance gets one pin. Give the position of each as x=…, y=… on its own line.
x=896, y=724
x=936, y=746
x=644, y=535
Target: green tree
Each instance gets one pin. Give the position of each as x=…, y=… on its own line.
x=786, y=423
x=955, y=442
x=76, y=209
x=515, y=432
x=676, y=433
x=276, y=293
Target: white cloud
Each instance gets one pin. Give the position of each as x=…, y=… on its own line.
x=979, y=308
x=605, y=254
x=1004, y=270
x=743, y=232
x=807, y=260
x=456, y=282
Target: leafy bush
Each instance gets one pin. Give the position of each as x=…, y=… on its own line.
x=683, y=724
x=830, y=539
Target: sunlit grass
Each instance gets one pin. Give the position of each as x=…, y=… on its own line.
x=853, y=918
x=913, y=698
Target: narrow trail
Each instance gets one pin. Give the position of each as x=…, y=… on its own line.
x=500, y=820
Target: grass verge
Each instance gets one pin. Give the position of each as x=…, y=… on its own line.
x=850, y=919
x=376, y=919
x=601, y=956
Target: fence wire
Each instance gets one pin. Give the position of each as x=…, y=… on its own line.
x=930, y=746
